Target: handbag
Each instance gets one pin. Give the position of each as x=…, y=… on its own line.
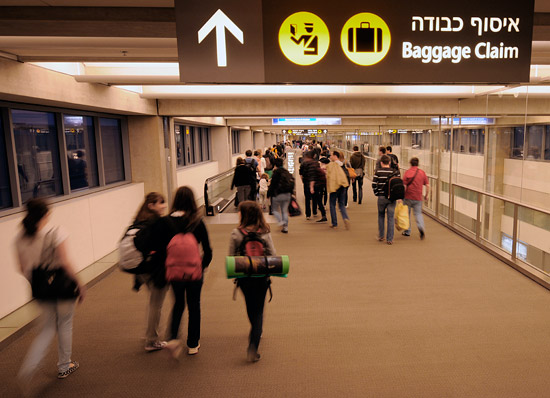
x=49, y=283
x=294, y=208
x=351, y=172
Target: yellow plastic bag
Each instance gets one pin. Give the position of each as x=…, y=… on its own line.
x=401, y=217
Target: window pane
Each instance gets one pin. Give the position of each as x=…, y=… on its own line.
x=5, y=192
x=517, y=143
x=207, y=143
x=81, y=151
x=534, y=141
x=179, y=144
x=113, y=157
x=37, y=150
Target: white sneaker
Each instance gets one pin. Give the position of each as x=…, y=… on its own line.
x=194, y=350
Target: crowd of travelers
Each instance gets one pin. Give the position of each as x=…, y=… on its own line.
x=173, y=250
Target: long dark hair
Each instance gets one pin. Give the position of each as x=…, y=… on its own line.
x=184, y=200
x=252, y=216
x=36, y=210
x=145, y=213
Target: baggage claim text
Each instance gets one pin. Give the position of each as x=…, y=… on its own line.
x=482, y=50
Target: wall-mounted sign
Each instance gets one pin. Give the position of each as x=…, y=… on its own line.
x=352, y=41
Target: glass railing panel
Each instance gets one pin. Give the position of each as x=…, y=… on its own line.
x=497, y=225
x=465, y=209
x=533, y=238
x=217, y=191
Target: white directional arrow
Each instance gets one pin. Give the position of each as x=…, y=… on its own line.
x=220, y=22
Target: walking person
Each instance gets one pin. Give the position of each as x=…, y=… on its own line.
x=252, y=222
x=176, y=239
x=151, y=269
x=38, y=246
x=264, y=186
x=255, y=167
x=243, y=179
x=357, y=161
x=337, y=182
x=308, y=173
x=385, y=205
x=280, y=191
x=414, y=180
x=394, y=164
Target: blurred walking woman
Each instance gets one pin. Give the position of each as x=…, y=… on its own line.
x=33, y=242
x=184, y=220
x=152, y=269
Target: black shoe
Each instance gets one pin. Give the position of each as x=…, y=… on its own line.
x=252, y=355
x=359, y=202
x=405, y=233
x=422, y=234
x=324, y=219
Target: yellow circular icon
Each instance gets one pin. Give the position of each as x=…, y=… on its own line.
x=365, y=39
x=304, y=38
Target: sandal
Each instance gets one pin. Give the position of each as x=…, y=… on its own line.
x=72, y=367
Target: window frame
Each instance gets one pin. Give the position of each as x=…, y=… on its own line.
x=198, y=141
x=17, y=205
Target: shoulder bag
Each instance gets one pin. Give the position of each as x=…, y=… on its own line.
x=48, y=282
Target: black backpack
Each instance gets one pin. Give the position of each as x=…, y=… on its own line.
x=286, y=183
x=395, y=188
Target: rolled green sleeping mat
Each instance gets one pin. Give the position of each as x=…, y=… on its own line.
x=243, y=266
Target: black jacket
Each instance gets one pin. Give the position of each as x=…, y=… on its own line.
x=244, y=175
x=275, y=186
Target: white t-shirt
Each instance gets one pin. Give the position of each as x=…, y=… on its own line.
x=30, y=249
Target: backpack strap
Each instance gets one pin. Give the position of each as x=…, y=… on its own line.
x=413, y=177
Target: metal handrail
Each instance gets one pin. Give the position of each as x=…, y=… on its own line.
x=504, y=199
x=213, y=178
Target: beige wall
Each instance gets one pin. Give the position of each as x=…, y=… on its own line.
x=32, y=84
x=95, y=223
x=194, y=176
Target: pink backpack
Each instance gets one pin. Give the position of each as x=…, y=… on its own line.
x=183, y=258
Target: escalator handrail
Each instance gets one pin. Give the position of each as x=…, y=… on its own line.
x=210, y=179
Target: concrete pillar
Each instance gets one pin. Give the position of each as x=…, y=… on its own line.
x=246, y=140
x=221, y=147
x=147, y=153
x=260, y=140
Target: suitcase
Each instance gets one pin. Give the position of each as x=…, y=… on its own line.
x=364, y=39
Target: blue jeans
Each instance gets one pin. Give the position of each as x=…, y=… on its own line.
x=383, y=205
x=340, y=196
x=416, y=206
x=279, y=204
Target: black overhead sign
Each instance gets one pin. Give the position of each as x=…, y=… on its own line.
x=351, y=41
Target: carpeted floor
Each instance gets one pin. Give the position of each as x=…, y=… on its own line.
x=355, y=318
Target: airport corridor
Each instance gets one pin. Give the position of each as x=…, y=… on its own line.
x=355, y=318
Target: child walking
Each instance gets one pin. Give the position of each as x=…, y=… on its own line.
x=253, y=288
x=264, y=185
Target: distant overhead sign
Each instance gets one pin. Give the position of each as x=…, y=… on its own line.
x=303, y=131
x=352, y=41
x=307, y=121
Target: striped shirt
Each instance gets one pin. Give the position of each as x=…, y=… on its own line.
x=381, y=177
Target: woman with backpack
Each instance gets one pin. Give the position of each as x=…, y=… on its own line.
x=243, y=178
x=151, y=270
x=40, y=246
x=280, y=191
x=252, y=229
x=176, y=239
